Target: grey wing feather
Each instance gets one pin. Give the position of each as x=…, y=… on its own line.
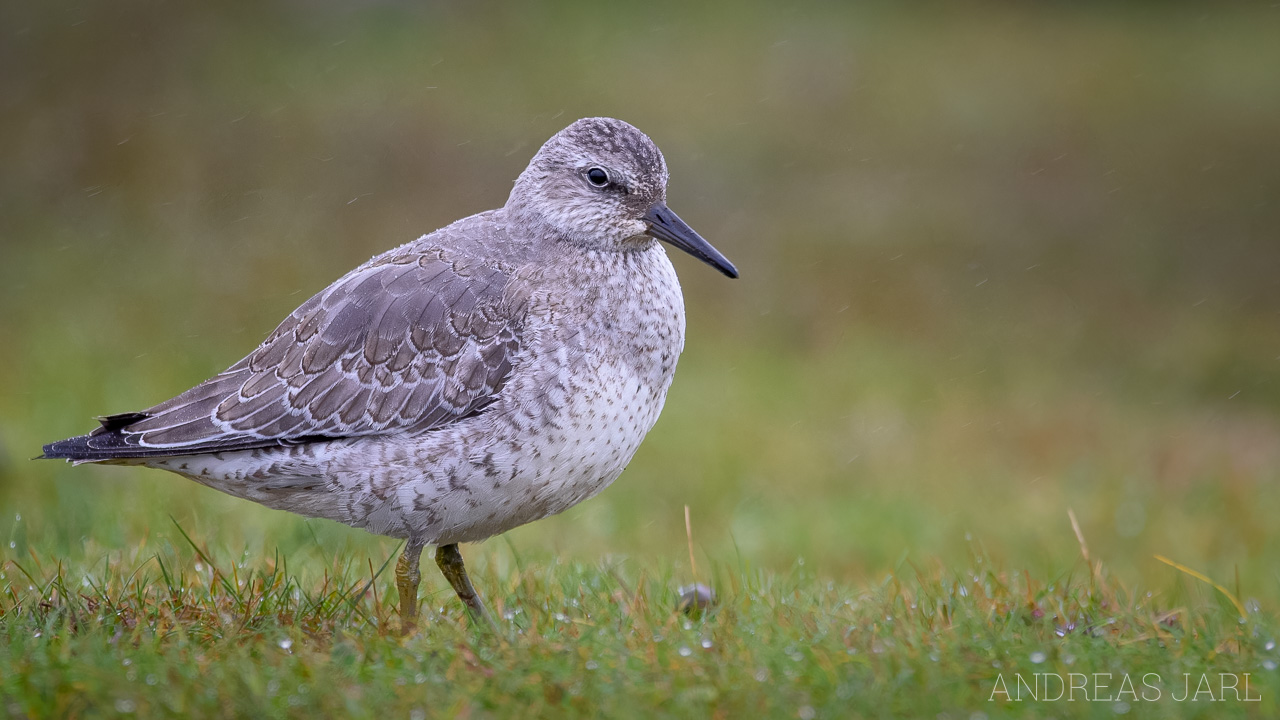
x=411, y=341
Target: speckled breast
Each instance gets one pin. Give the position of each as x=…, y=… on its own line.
x=601, y=363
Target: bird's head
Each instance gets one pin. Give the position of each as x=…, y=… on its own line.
x=601, y=183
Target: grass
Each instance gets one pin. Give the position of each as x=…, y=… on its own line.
x=172, y=631
x=999, y=263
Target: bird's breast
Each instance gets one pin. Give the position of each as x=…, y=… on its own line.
x=602, y=346
x=615, y=315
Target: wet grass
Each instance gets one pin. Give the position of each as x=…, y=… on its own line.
x=171, y=631
x=998, y=264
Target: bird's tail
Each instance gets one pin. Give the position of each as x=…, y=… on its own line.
x=105, y=443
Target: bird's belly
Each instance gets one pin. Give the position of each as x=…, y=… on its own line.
x=542, y=470
x=602, y=428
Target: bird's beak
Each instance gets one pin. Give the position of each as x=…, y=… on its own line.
x=668, y=227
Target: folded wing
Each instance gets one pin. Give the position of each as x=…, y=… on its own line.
x=409, y=342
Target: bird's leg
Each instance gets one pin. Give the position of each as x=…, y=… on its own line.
x=407, y=577
x=450, y=562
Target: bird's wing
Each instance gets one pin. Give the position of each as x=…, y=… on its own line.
x=411, y=341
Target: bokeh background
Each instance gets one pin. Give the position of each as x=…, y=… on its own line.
x=998, y=260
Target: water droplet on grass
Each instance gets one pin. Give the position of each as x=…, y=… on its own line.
x=685, y=651
x=1120, y=708
x=124, y=705
x=806, y=713
x=696, y=600
x=706, y=643
x=1038, y=657
x=1271, y=645
x=285, y=644
x=1269, y=664
x=592, y=665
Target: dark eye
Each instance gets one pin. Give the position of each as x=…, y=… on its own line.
x=598, y=177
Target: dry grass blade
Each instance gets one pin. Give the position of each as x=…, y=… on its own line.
x=1206, y=579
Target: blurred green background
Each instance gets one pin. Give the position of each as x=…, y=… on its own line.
x=998, y=260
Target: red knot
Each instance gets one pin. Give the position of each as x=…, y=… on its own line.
x=492, y=373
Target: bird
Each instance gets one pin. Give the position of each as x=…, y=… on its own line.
x=494, y=372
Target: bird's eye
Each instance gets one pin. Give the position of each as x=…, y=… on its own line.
x=598, y=177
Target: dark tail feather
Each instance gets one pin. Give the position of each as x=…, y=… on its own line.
x=119, y=422
x=104, y=443
x=112, y=441
x=76, y=448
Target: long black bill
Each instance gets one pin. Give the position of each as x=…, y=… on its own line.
x=668, y=227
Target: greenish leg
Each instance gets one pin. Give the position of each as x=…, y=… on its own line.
x=450, y=562
x=407, y=577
